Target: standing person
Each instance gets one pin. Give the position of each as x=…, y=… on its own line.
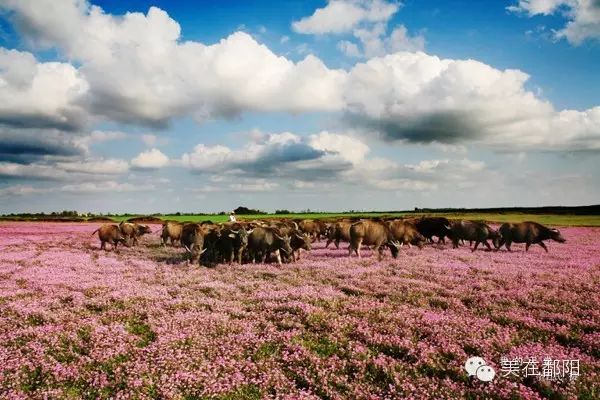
x=232, y=216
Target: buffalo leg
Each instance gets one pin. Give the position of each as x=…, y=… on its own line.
x=278, y=255
x=527, y=246
x=337, y=243
x=103, y=245
x=476, y=244
x=379, y=250
x=508, y=244
x=501, y=244
x=487, y=245
x=543, y=246
x=328, y=243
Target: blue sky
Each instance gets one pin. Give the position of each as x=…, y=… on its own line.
x=159, y=106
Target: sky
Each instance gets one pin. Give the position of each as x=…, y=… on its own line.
x=164, y=106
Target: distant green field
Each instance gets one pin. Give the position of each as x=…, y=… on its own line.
x=549, y=219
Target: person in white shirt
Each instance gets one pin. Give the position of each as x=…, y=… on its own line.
x=232, y=217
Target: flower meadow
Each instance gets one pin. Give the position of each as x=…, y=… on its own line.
x=140, y=323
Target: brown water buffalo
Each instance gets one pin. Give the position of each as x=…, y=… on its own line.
x=310, y=227
x=339, y=231
x=192, y=239
x=405, y=232
x=265, y=240
x=171, y=231
x=287, y=227
x=372, y=233
x=476, y=231
x=109, y=233
x=313, y=228
x=132, y=231
x=434, y=226
x=529, y=233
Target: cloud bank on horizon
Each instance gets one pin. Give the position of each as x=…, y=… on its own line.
x=472, y=124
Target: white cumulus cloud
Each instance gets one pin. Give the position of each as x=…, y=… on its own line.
x=340, y=16
x=34, y=94
x=583, y=17
x=150, y=159
x=139, y=70
x=422, y=98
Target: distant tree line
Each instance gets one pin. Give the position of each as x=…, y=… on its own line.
x=241, y=210
x=246, y=211
x=576, y=210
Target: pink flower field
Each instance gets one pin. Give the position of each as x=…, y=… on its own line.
x=77, y=322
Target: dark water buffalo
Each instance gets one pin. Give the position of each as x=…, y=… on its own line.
x=339, y=231
x=434, y=226
x=405, y=232
x=231, y=243
x=192, y=239
x=171, y=231
x=109, y=233
x=479, y=232
x=299, y=242
x=265, y=240
x=372, y=233
x=211, y=239
x=529, y=233
x=132, y=231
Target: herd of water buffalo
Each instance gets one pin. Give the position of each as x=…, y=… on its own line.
x=258, y=240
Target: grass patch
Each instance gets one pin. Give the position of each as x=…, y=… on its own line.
x=266, y=350
x=245, y=392
x=498, y=217
x=320, y=345
x=35, y=319
x=140, y=328
x=33, y=379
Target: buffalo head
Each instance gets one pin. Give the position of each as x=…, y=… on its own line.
x=556, y=236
